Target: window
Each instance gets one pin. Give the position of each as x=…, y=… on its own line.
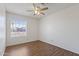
x=18, y=27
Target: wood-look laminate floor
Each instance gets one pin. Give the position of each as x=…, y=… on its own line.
x=37, y=48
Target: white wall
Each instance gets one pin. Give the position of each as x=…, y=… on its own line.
x=2, y=30
x=62, y=29
x=31, y=34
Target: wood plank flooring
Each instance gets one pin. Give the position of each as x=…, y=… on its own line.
x=37, y=48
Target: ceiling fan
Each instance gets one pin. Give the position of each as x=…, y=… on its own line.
x=38, y=10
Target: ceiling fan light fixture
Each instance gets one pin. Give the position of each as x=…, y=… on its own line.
x=38, y=10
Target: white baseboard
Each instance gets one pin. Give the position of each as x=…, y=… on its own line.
x=54, y=43
x=21, y=42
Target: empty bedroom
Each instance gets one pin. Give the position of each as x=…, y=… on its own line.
x=39, y=29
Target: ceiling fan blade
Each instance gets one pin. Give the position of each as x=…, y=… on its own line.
x=43, y=4
x=44, y=8
x=34, y=14
x=29, y=10
x=34, y=6
x=42, y=13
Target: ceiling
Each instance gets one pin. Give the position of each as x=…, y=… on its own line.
x=21, y=8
